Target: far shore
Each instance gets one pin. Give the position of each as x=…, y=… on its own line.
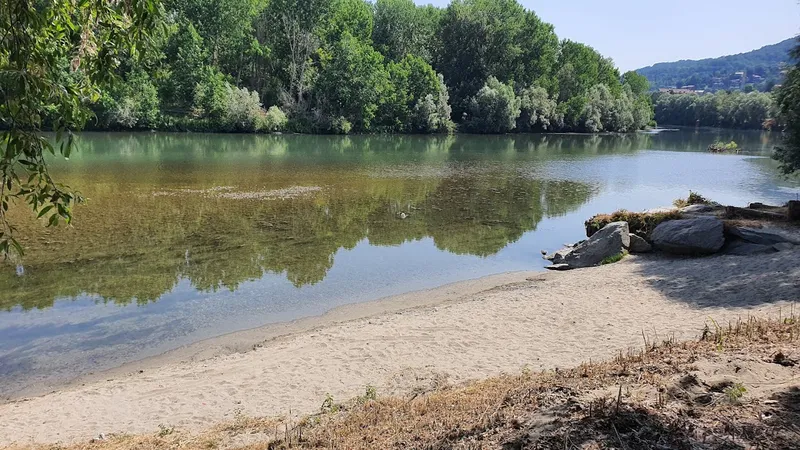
x=452, y=334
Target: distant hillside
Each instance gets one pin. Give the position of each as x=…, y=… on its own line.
x=761, y=68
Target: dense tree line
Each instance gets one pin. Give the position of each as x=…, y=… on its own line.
x=340, y=66
x=788, y=100
x=766, y=62
x=754, y=110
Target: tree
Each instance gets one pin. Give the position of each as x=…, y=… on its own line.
x=494, y=109
x=297, y=22
x=351, y=82
x=403, y=28
x=53, y=57
x=638, y=83
x=788, y=99
x=538, y=111
x=479, y=39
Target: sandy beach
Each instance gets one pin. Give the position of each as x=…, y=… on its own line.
x=455, y=333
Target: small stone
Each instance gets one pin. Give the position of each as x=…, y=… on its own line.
x=783, y=246
x=559, y=267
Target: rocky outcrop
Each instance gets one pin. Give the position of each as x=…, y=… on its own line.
x=700, y=235
x=611, y=240
x=756, y=236
x=639, y=245
x=697, y=209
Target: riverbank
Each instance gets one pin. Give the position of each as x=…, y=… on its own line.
x=461, y=332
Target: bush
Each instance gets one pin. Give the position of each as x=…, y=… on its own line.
x=274, y=120
x=538, y=111
x=225, y=107
x=693, y=199
x=494, y=109
x=132, y=104
x=641, y=224
x=432, y=113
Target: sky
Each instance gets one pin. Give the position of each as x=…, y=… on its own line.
x=639, y=33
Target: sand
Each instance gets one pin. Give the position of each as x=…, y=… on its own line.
x=456, y=333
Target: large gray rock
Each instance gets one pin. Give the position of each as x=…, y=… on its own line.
x=759, y=237
x=639, y=245
x=700, y=235
x=612, y=240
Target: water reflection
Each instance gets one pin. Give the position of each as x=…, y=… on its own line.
x=133, y=244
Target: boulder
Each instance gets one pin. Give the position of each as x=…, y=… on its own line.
x=697, y=209
x=783, y=246
x=744, y=248
x=639, y=245
x=611, y=240
x=756, y=236
x=700, y=235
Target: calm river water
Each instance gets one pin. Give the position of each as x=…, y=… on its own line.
x=191, y=236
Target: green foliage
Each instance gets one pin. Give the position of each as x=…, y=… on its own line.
x=788, y=100
x=347, y=16
x=722, y=109
x=133, y=103
x=483, y=38
x=638, y=83
x=351, y=83
x=693, y=199
x=735, y=392
x=614, y=258
x=538, y=111
x=717, y=73
x=403, y=28
x=641, y=224
x=274, y=120
x=494, y=109
x=50, y=66
x=723, y=147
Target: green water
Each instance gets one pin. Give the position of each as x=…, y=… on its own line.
x=189, y=236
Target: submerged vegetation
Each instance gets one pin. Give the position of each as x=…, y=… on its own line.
x=342, y=66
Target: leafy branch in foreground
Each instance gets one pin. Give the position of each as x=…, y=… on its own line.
x=55, y=56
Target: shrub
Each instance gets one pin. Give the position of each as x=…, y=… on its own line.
x=641, y=224
x=494, y=109
x=538, y=111
x=132, y=104
x=693, y=199
x=274, y=120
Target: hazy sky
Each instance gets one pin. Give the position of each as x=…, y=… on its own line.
x=637, y=33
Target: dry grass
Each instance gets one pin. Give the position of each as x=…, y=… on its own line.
x=641, y=224
x=653, y=397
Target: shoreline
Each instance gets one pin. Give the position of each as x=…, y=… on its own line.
x=246, y=341
x=448, y=335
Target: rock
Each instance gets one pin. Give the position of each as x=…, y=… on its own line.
x=611, y=240
x=664, y=210
x=744, y=248
x=793, y=210
x=559, y=267
x=639, y=245
x=697, y=209
x=756, y=236
x=783, y=246
x=700, y=235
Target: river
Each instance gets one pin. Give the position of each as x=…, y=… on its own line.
x=190, y=236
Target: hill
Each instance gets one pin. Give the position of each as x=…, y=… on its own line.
x=761, y=68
